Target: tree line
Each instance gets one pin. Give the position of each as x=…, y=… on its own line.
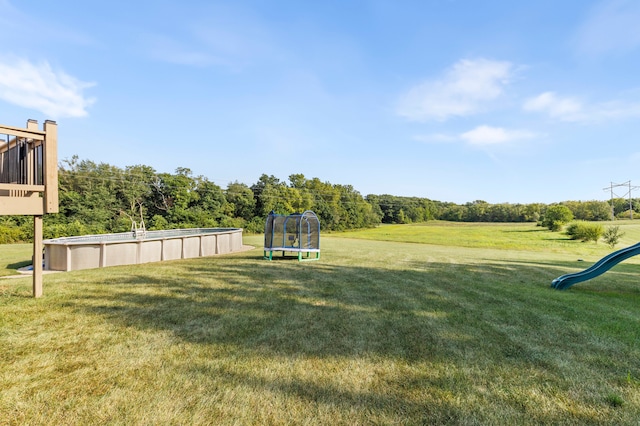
x=393, y=209
x=98, y=198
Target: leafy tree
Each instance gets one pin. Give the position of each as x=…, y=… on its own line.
x=264, y=184
x=619, y=205
x=134, y=191
x=210, y=201
x=172, y=196
x=98, y=197
x=612, y=235
x=278, y=198
x=402, y=218
x=476, y=211
x=325, y=202
x=414, y=209
x=240, y=197
x=304, y=200
x=386, y=205
x=297, y=181
x=88, y=193
x=453, y=212
x=556, y=216
x=532, y=212
x=159, y=222
x=589, y=210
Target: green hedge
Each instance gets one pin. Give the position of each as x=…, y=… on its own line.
x=585, y=231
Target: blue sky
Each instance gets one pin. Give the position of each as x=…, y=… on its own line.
x=450, y=100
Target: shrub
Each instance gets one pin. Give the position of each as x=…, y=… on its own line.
x=593, y=232
x=612, y=235
x=585, y=231
x=627, y=214
x=574, y=229
x=556, y=216
x=254, y=226
x=57, y=230
x=159, y=222
x=13, y=234
x=232, y=222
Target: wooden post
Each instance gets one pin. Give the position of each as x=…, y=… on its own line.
x=51, y=167
x=23, y=196
x=37, y=256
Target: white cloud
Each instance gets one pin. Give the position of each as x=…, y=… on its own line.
x=572, y=110
x=562, y=108
x=462, y=91
x=487, y=135
x=612, y=26
x=54, y=93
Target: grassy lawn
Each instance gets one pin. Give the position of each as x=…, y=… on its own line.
x=13, y=257
x=433, y=325
x=514, y=236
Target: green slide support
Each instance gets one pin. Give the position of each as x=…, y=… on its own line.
x=600, y=267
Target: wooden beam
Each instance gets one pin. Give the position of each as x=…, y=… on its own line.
x=51, y=167
x=21, y=206
x=37, y=256
x=22, y=133
x=20, y=187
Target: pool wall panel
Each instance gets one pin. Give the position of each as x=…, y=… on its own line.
x=56, y=257
x=120, y=254
x=84, y=257
x=73, y=253
x=224, y=244
x=172, y=249
x=150, y=251
x=209, y=245
x=190, y=247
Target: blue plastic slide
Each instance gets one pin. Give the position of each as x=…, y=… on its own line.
x=600, y=267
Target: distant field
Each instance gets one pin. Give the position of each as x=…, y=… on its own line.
x=431, y=325
x=506, y=236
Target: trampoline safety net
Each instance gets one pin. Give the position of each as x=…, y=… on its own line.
x=298, y=233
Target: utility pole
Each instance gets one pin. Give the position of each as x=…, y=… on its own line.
x=614, y=195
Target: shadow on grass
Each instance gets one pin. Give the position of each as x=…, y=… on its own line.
x=471, y=317
x=426, y=310
x=565, y=239
x=18, y=265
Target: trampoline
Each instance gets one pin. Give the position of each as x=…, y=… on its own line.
x=295, y=233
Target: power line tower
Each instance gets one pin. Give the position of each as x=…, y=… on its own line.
x=614, y=195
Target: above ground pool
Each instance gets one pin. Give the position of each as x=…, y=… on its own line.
x=126, y=248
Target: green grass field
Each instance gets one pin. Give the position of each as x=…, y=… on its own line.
x=435, y=323
x=13, y=257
